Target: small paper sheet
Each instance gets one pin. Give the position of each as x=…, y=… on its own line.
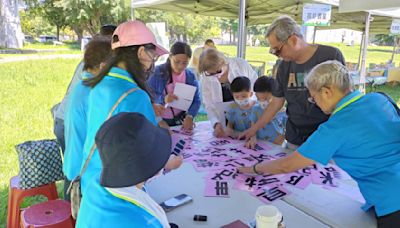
x=185, y=94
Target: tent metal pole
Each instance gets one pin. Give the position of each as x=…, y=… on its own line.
x=314, y=34
x=132, y=11
x=364, y=53
x=361, y=48
x=395, y=41
x=241, y=48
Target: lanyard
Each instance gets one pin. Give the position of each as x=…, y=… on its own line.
x=141, y=199
x=86, y=76
x=120, y=76
x=129, y=199
x=347, y=103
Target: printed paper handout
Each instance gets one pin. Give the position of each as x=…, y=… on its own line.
x=185, y=94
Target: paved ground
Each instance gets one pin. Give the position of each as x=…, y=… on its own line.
x=34, y=57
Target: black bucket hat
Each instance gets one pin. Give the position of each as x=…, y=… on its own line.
x=131, y=149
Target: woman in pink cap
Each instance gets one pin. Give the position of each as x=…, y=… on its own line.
x=134, y=52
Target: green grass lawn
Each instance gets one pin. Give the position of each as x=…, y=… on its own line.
x=29, y=89
x=47, y=49
x=376, y=55
x=65, y=45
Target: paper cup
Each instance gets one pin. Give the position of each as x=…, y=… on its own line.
x=268, y=216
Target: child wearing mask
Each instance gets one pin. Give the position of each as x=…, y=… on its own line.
x=239, y=112
x=273, y=131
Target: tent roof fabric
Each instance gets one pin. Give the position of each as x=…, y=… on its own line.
x=265, y=11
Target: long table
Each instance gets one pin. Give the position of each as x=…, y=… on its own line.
x=311, y=207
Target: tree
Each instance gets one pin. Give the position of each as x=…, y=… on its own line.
x=49, y=10
x=384, y=39
x=89, y=15
x=55, y=15
x=230, y=26
x=186, y=27
x=34, y=24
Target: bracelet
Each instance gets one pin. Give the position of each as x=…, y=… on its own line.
x=255, y=171
x=215, y=125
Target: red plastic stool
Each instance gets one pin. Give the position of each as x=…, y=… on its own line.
x=16, y=195
x=50, y=214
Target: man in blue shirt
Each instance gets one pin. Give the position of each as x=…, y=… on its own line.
x=362, y=136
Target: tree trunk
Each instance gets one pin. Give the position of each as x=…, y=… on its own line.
x=11, y=35
x=184, y=36
x=79, y=32
x=395, y=41
x=171, y=34
x=58, y=33
x=230, y=35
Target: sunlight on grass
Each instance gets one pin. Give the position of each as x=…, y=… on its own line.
x=29, y=89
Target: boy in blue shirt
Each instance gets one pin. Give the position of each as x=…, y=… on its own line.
x=239, y=112
x=274, y=130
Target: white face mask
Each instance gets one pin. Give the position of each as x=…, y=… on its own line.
x=263, y=104
x=243, y=102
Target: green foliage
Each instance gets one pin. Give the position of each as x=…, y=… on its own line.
x=384, y=39
x=48, y=9
x=28, y=90
x=193, y=28
x=35, y=25
x=89, y=15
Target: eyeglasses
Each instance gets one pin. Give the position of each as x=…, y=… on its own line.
x=152, y=54
x=206, y=73
x=311, y=100
x=277, y=52
x=211, y=74
x=184, y=63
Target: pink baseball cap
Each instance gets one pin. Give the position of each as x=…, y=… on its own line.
x=135, y=33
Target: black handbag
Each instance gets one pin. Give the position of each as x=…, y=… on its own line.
x=40, y=163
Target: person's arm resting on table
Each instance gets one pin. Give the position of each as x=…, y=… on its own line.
x=287, y=164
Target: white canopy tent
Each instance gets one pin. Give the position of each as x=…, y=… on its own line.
x=388, y=8
x=252, y=12
x=354, y=14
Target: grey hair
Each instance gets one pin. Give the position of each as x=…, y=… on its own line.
x=284, y=26
x=331, y=73
x=211, y=58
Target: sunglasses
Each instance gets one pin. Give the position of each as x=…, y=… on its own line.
x=277, y=51
x=212, y=74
